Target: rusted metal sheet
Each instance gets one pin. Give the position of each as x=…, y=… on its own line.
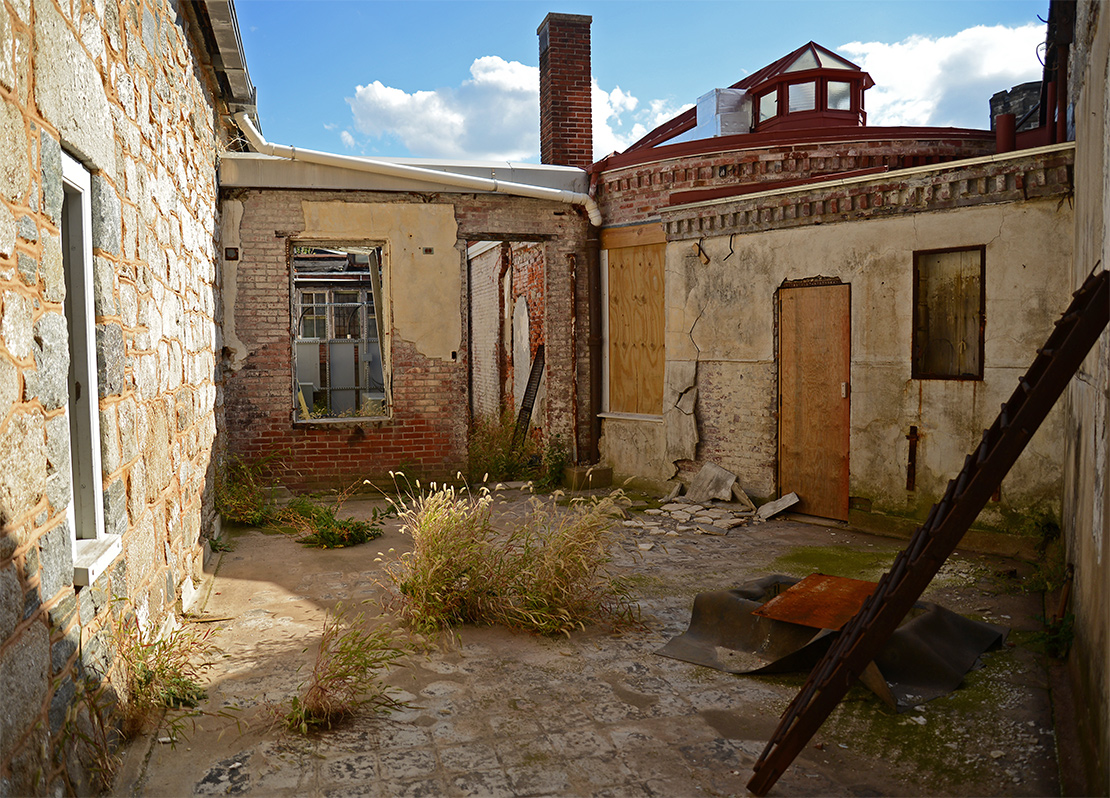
x=819, y=601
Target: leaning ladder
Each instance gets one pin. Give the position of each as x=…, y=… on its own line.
x=864, y=636
x=524, y=417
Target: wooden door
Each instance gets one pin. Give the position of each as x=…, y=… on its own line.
x=814, y=397
x=636, y=329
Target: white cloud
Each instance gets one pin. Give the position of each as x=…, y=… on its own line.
x=492, y=116
x=348, y=139
x=946, y=81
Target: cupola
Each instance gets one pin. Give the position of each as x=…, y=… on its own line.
x=811, y=87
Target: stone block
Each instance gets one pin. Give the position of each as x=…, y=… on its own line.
x=110, y=359
x=11, y=601
x=49, y=382
x=775, y=507
x=28, y=230
x=23, y=477
x=28, y=269
x=52, y=269
x=107, y=221
x=115, y=507
x=9, y=386
x=15, y=169
x=50, y=164
x=7, y=235
x=69, y=89
x=24, y=679
x=62, y=614
x=109, y=441
x=57, y=561
x=104, y=282
x=63, y=696
x=16, y=325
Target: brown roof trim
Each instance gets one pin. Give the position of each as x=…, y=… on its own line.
x=752, y=141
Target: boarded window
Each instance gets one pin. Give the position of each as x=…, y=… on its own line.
x=636, y=329
x=948, y=314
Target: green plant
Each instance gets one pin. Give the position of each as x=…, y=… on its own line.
x=346, y=674
x=161, y=672
x=1057, y=635
x=90, y=736
x=549, y=574
x=242, y=493
x=491, y=454
x=319, y=527
x=554, y=460
x=220, y=544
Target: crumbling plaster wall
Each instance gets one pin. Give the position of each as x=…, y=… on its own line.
x=117, y=86
x=721, y=315
x=1086, y=507
x=427, y=432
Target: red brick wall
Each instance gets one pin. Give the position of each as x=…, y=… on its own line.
x=636, y=193
x=427, y=433
x=566, y=119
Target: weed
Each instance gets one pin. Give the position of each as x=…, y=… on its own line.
x=548, y=575
x=346, y=674
x=318, y=526
x=162, y=672
x=242, y=494
x=1057, y=636
x=220, y=544
x=491, y=454
x=555, y=459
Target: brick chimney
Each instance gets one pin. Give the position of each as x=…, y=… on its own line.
x=566, y=118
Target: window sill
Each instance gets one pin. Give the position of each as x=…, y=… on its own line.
x=632, y=417
x=377, y=421
x=93, y=556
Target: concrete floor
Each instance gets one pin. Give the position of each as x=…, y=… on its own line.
x=498, y=713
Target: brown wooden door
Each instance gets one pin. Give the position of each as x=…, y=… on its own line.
x=814, y=391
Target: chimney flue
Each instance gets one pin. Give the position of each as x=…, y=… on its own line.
x=566, y=118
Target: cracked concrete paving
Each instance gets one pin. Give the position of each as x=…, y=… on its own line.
x=498, y=713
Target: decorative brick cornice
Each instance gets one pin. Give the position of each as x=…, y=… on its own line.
x=1030, y=174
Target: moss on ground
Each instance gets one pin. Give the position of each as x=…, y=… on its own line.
x=843, y=560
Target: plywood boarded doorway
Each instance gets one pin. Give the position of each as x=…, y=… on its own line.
x=814, y=396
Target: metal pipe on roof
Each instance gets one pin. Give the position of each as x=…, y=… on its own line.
x=416, y=172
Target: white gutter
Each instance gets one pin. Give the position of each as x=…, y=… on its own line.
x=416, y=172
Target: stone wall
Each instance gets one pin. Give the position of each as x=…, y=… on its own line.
x=119, y=87
x=426, y=432
x=1086, y=510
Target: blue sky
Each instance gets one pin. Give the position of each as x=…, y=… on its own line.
x=458, y=79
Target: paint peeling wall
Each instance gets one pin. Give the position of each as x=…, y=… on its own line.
x=1086, y=507
x=424, y=239
x=720, y=313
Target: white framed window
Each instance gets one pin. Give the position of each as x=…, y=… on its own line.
x=340, y=356
x=93, y=549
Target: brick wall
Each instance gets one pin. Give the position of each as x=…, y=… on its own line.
x=118, y=86
x=637, y=192
x=566, y=126
x=427, y=432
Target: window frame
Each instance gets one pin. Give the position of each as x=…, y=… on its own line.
x=917, y=371
x=373, y=319
x=94, y=548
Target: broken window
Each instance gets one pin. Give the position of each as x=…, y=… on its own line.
x=948, y=314
x=338, y=350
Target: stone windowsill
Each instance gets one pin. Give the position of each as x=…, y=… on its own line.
x=93, y=556
x=377, y=421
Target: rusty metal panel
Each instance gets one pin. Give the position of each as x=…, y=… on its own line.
x=819, y=601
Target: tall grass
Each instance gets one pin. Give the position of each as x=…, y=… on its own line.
x=548, y=574
x=346, y=674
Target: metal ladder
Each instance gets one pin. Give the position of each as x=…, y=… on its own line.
x=524, y=417
x=864, y=636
